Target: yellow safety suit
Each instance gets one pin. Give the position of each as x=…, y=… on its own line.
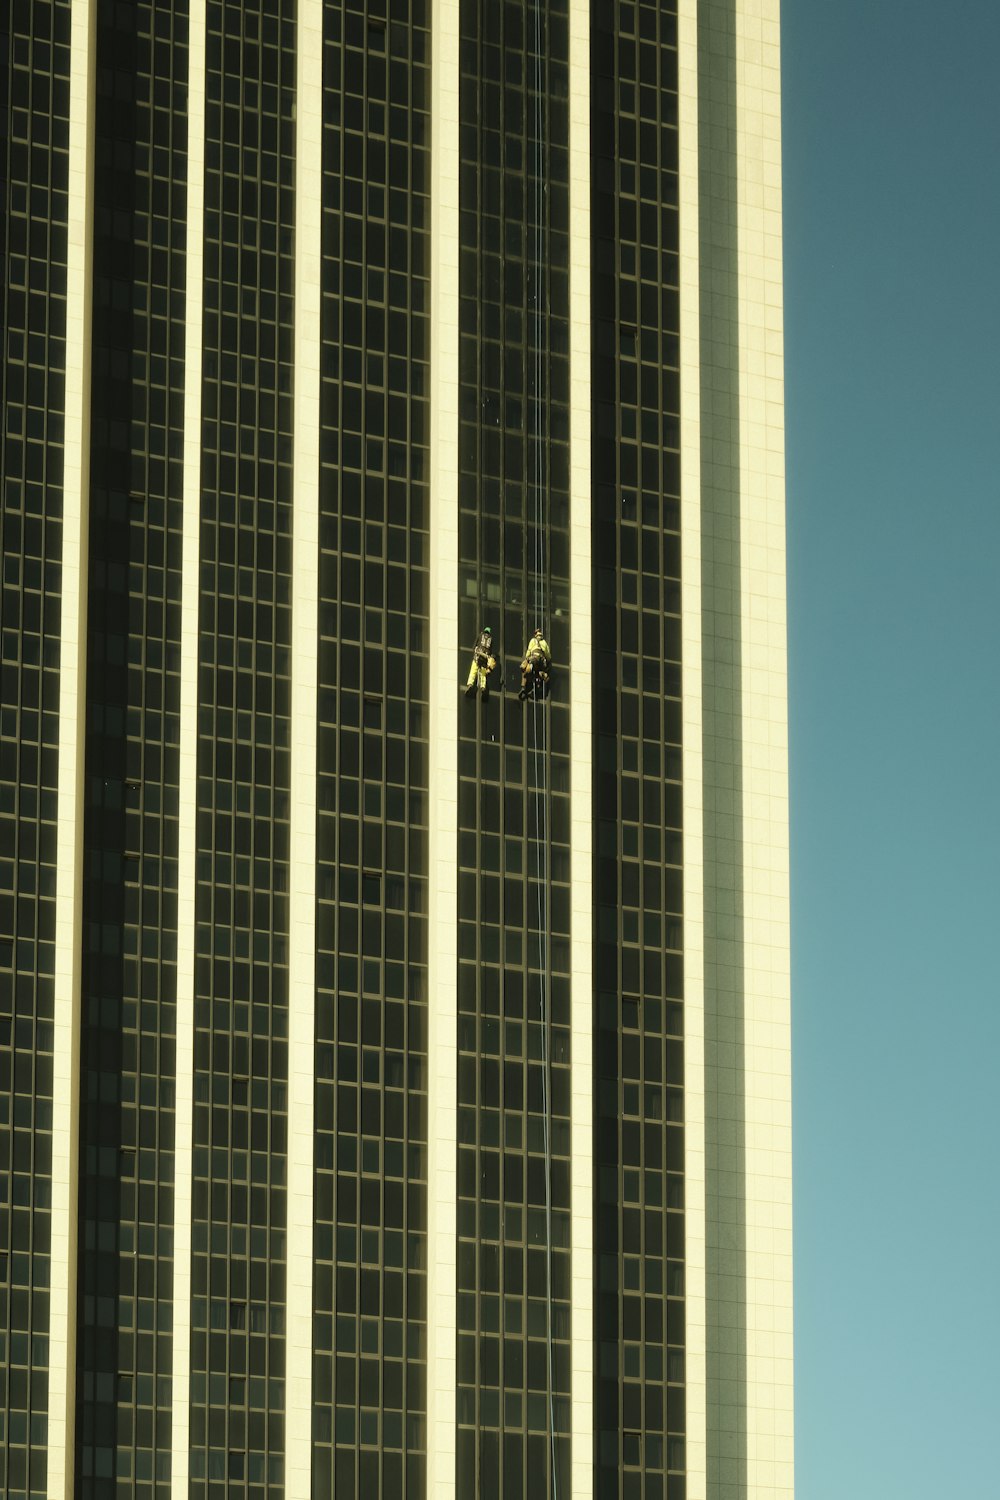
x=483, y=662
x=536, y=663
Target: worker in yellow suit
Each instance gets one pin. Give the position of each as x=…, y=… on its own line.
x=535, y=666
x=483, y=663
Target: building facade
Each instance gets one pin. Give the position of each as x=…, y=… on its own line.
x=394, y=1085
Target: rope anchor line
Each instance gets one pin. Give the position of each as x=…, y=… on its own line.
x=539, y=740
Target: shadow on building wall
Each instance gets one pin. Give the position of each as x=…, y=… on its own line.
x=723, y=789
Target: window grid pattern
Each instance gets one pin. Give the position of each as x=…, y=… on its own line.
x=34, y=47
x=372, y=742
x=241, y=955
x=513, y=897
x=639, y=1140
x=131, y=787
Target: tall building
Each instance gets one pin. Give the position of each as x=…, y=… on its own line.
x=394, y=1085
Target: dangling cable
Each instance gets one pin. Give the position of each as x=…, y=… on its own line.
x=540, y=758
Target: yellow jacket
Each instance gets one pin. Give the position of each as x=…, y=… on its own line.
x=537, y=646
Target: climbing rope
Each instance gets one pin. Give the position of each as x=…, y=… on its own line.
x=539, y=738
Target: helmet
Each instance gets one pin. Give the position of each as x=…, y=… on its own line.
x=487, y=630
x=538, y=633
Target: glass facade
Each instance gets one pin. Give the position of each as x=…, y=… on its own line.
x=503, y=853
x=241, y=962
x=371, y=911
x=513, y=891
x=638, y=961
x=131, y=767
x=34, y=50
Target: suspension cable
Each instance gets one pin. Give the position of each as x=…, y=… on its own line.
x=539, y=749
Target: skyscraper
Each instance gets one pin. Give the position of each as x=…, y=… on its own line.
x=394, y=1084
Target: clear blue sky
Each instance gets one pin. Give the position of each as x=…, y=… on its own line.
x=892, y=264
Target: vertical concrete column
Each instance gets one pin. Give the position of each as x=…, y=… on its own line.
x=72, y=729
x=693, y=792
x=722, y=757
x=188, y=755
x=302, y=819
x=302, y=905
x=72, y=722
x=581, y=764
x=767, y=1043
x=442, y=1038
